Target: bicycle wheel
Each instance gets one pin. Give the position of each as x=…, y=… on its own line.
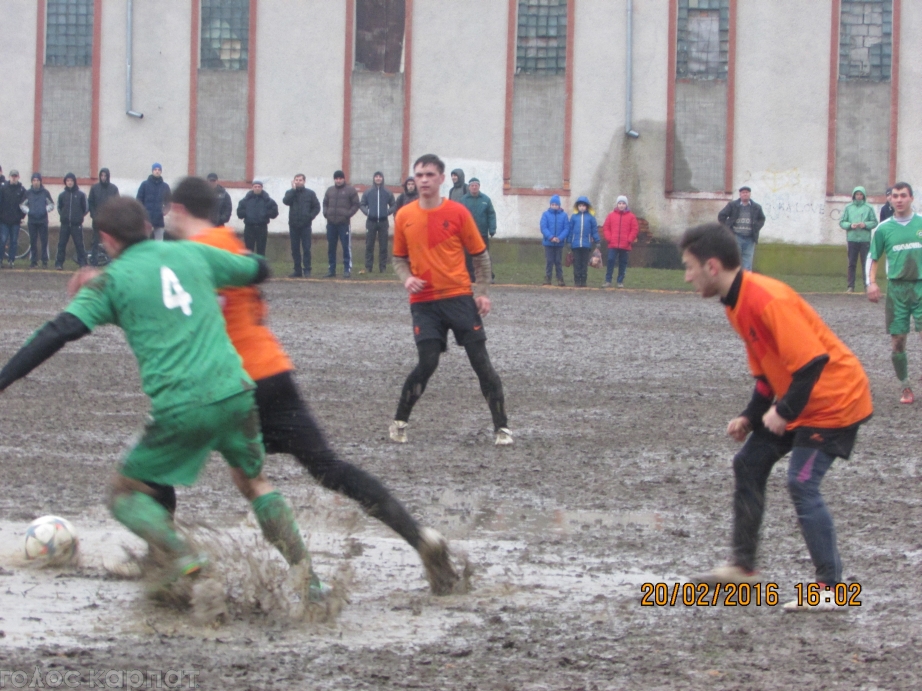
x=23, y=247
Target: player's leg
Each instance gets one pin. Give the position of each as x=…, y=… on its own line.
x=806, y=470
x=491, y=386
x=751, y=468
x=134, y=505
x=428, y=351
x=898, y=307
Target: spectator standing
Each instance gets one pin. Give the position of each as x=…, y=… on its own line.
x=620, y=230
x=858, y=220
x=304, y=209
x=100, y=193
x=408, y=195
x=886, y=211
x=40, y=204
x=555, y=228
x=256, y=209
x=378, y=204
x=154, y=195
x=12, y=196
x=223, y=207
x=72, y=208
x=745, y=218
x=481, y=208
x=584, y=235
x=458, y=188
x=340, y=204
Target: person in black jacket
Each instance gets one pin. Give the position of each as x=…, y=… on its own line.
x=12, y=195
x=72, y=208
x=223, y=207
x=408, y=195
x=40, y=203
x=378, y=204
x=154, y=195
x=100, y=193
x=256, y=209
x=304, y=209
x=745, y=218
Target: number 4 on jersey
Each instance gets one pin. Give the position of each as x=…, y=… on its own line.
x=173, y=294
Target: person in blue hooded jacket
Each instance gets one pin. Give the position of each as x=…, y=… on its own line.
x=584, y=235
x=555, y=228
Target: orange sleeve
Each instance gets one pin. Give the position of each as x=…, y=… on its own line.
x=795, y=335
x=470, y=236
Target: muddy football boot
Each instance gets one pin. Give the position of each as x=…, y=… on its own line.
x=433, y=550
x=503, y=437
x=729, y=573
x=302, y=574
x=827, y=603
x=398, y=431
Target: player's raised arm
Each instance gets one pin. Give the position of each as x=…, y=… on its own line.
x=234, y=270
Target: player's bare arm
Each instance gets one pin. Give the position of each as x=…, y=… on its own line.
x=873, y=290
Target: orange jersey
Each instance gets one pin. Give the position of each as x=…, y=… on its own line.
x=244, y=311
x=783, y=333
x=435, y=240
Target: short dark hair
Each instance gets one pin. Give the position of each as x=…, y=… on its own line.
x=711, y=241
x=300, y=175
x=213, y=177
x=430, y=160
x=196, y=196
x=124, y=219
x=903, y=186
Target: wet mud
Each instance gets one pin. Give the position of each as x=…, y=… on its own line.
x=620, y=475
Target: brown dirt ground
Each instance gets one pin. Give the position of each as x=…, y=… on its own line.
x=618, y=401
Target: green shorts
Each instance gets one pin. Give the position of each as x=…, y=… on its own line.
x=176, y=444
x=904, y=299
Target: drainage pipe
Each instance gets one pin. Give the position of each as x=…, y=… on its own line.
x=128, y=110
x=628, y=129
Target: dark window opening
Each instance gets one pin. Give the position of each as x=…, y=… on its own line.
x=379, y=27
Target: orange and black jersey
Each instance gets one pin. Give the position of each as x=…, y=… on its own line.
x=434, y=240
x=798, y=360
x=244, y=312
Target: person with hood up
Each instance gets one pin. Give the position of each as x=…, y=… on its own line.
x=583, y=237
x=858, y=220
x=555, y=228
x=12, y=196
x=408, y=195
x=40, y=203
x=304, y=209
x=620, y=231
x=256, y=209
x=100, y=193
x=223, y=206
x=154, y=195
x=378, y=204
x=458, y=186
x=72, y=208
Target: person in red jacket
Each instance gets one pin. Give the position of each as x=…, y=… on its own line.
x=620, y=232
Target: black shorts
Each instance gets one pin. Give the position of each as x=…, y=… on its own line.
x=837, y=442
x=432, y=320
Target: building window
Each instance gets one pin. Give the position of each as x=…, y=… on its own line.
x=703, y=39
x=541, y=45
x=379, y=27
x=225, y=34
x=69, y=33
x=866, y=40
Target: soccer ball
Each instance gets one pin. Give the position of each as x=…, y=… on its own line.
x=51, y=538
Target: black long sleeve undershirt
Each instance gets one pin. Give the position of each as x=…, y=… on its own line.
x=46, y=342
x=792, y=404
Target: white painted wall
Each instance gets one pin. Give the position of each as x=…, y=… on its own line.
x=458, y=104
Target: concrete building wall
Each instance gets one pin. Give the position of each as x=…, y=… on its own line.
x=863, y=136
x=221, y=140
x=700, y=136
x=459, y=103
x=538, y=107
x=377, y=126
x=66, y=107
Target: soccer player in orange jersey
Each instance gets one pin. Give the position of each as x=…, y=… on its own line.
x=287, y=424
x=430, y=238
x=811, y=394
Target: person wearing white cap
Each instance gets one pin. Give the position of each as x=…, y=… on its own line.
x=620, y=231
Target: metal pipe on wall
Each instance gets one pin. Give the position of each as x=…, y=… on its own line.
x=629, y=105
x=128, y=42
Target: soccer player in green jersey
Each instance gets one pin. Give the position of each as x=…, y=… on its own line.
x=899, y=239
x=162, y=295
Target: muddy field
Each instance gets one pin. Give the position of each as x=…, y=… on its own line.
x=620, y=475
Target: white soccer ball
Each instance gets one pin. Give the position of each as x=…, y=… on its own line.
x=51, y=538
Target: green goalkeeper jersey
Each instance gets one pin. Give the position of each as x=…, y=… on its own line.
x=902, y=247
x=162, y=295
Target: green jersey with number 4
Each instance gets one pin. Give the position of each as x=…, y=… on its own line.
x=162, y=295
x=902, y=247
